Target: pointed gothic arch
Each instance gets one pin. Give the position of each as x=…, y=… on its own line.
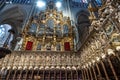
x=13, y=16
x=83, y=23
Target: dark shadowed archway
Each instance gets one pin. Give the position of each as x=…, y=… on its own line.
x=83, y=24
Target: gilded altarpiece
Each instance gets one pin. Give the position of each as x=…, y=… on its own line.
x=48, y=30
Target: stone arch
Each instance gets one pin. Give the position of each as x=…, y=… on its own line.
x=83, y=23
x=15, y=17
x=82, y=13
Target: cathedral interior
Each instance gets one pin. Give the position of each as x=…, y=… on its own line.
x=59, y=39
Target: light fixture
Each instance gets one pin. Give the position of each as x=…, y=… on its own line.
x=10, y=2
x=41, y=4
x=58, y=4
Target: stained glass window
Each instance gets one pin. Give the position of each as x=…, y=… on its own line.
x=84, y=3
x=80, y=1
x=2, y=32
x=19, y=1
x=98, y=2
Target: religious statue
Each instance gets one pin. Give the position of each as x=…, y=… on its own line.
x=103, y=38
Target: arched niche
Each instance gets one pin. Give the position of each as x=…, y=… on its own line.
x=33, y=28
x=65, y=29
